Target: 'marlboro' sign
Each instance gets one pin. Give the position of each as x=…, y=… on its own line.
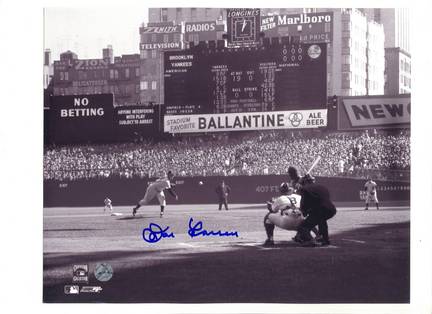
x=310, y=27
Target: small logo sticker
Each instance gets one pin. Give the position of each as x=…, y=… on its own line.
x=71, y=289
x=103, y=272
x=80, y=273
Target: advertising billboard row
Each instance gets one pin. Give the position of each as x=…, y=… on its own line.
x=93, y=118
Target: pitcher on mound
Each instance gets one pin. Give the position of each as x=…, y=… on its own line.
x=156, y=189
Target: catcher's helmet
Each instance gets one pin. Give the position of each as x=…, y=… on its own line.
x=284, y=188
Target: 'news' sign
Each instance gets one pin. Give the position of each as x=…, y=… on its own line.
x=375, y=111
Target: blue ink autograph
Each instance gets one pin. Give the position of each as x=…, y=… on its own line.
x=155, y=233
x=197, y=230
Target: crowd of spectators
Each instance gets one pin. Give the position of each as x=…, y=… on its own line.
x=227, y=154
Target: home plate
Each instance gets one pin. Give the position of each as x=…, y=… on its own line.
x=116, y=214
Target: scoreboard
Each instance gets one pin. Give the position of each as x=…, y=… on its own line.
x=276, y=77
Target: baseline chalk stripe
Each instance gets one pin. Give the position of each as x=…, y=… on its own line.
x=355, y=241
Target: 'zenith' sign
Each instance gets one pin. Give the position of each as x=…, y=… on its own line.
x=161, y=29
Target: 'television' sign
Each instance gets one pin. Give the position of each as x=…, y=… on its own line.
x=360, y=112
x=160, y=46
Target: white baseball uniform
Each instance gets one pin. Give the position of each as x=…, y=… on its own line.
x=108, y=205
x=286, y=212
x=156, y=189
x=371, y=193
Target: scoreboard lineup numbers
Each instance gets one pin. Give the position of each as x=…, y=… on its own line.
x=281, y=77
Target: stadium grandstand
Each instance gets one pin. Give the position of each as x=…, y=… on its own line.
x=384, y=154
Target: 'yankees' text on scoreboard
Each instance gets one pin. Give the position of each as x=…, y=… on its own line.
x=278, y=77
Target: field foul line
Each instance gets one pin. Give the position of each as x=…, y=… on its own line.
x=257, y=245
x=187, y=244
x=355, y=241
x=219, y=244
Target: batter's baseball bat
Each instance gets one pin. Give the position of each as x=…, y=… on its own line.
x=314, y=164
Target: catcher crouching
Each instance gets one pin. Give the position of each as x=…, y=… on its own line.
x=284, y=212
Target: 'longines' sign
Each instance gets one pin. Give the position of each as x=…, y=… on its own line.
x=243, y=26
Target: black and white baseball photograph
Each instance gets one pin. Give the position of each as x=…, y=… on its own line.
x=235, y=154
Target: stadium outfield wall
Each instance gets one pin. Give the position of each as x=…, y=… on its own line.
x=244, y=190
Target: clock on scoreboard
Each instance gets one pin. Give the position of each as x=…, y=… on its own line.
x=243, y=26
